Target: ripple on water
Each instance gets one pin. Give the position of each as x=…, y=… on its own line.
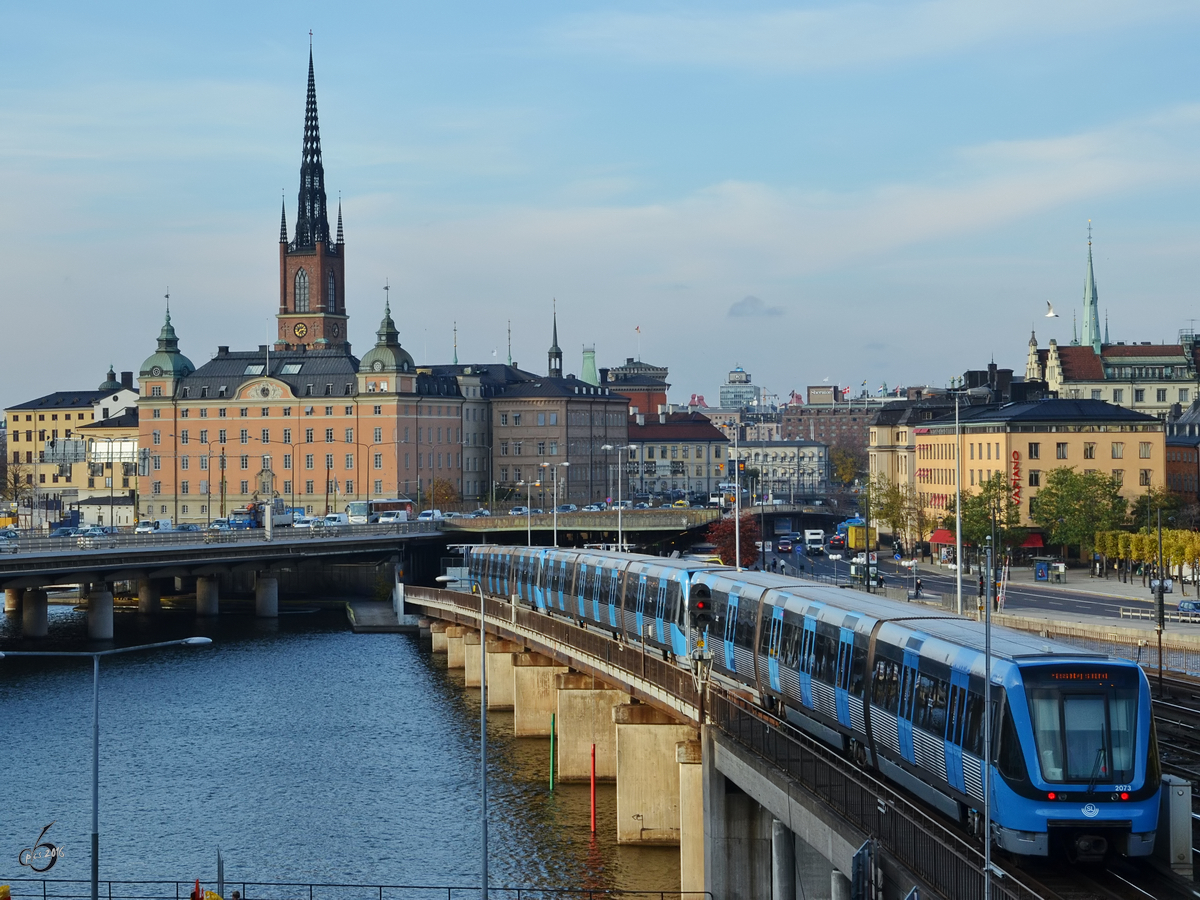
x=305, y=752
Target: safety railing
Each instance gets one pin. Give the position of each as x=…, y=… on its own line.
x=65, y=889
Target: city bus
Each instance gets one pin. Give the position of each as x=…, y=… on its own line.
x=363, y=512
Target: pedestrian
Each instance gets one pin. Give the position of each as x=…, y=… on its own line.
x=917, y=592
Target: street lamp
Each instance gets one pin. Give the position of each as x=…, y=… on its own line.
x=528, y=512
x=95, y=657
x=620, y=535
x=555, y=477
x=483, y=862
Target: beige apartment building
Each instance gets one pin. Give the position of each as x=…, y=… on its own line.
x=1026, y=441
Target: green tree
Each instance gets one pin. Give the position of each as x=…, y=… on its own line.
x=889, y=505
x=1072, y=506
x=846, y=463
x=992, y=502
x=1151, y=502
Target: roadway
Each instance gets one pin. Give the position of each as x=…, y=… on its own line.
x=1095, y=596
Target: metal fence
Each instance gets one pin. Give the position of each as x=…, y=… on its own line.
x=62, y=889
x=1180, y=656
x=942, y=859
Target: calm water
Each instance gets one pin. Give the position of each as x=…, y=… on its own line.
x=304, y=752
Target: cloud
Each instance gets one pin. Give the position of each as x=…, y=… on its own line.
x=844, y=36
x=750, y=306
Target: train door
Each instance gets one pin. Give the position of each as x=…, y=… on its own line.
x=640, y=608
x=660, y=609
x=731, y=615
x=774, y=636
x=908, y=690
x=537, y=580
x=561, y=586
x=581, y=586
x=597, y=587
x=506, y=564
x=955, y=716
x=677, y=614
x=841, y=692
x=614, y=594
x=808, y=640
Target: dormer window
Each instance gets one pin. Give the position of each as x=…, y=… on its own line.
x=308, y=390
x=255, y=369
x=203, y=392
x=329, y=390
x=221, y=390
x=291, y=368
x=186, y=391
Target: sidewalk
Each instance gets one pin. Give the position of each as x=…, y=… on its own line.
x=1076, y=580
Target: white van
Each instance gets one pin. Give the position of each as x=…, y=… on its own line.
x=335, y=519
x=430, y=515
x=814, y=541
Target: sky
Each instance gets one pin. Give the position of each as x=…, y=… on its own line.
x=818, y=192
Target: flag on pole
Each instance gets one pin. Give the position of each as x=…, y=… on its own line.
x=638, y=329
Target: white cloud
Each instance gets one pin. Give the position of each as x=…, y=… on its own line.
x=844, y=35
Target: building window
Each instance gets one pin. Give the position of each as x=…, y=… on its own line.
x=329, y=435
x=1118, y=476
x=156, y=462
x=184, y=462
x=1118, y=395
x=308, y=435
x=204, y=463
x=156, y=390
x=1144, y=449
x=1035, y=478
x=349, y=460
x=1139, y=395
x=287, y=487
x=328, y=460
x=287, y=460
x=155, y=486
x=504, y=449
x=378, y=486
x=516, y=419
x=245, y=485
x=1161, y=395
x=301, y=291
x=154, y=413
x=155, y=437
x=503, y=418
x=266, y=436
x=1089, y=451
x=349, y=435
x=1144, y=477
x=245, y=461
x=516, y=448
x=1096, y=394
x=378, y=462
x=554, y=448
x=1035, y=451
x=308, y=487
x=331, y=297
x=541, y=446
x=1118, y=450
x=378, y=435
x=244, y=436
x=308, y=460
x=553, y=418
x=183, y=487
x=287, y=435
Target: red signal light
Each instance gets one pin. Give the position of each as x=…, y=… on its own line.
x=1050, y=796
x=1124, y=796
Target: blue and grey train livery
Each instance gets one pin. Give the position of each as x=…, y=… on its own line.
x=897, y=688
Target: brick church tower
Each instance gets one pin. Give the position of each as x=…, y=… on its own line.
x=312, y=277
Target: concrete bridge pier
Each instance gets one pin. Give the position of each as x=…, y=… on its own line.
x=534, y=693
x=500, y=673
x=100, y=614
x=35, y=618
x=423, y=628
x=12, y=601
x=585, y=718
x=149, y=596
x=437, y=636
x=648, y=774
x=737, y=836
x=454, y=646
x=691, y=816
x=839, y=886
x=783, y=862
x=471, y=667
x=208, y=595
x=266, y=596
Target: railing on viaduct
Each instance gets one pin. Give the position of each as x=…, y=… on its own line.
x=947, y=861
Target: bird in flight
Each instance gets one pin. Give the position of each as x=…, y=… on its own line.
x=1050, y=313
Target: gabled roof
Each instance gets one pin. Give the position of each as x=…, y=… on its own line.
x=570, y=387
x=1080, y=364
x=678, y=427
x=316, y=367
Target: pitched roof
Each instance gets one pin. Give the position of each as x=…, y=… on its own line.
x=569, y=387
x=317, y=367
x=1050, y=411
x=127, y=419
x=678, y=427
x=1141, y=351
x=1080, y=364
x=63, y=400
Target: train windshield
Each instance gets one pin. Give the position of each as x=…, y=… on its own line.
x=1084, y=721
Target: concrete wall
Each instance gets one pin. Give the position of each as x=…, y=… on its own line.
x=648, y=774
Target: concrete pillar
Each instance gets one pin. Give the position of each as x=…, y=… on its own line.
x=737, y=835
x=534, y=693
x=691, y=817
x=208, y=595
x=437, y=635
x=839, y=886
x=783, y=862
x=149, y=596
x=471, y=666
x=648, y=774
x=585, y=717
x=100, y=615
x=266, y=596
x=454, y=646
x=500, y=673
x=423, y=628
x=35, y=619
x=12, y=600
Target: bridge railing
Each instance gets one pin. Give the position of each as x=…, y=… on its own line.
x=945, y=861
x=69, y=889
x=661, y=518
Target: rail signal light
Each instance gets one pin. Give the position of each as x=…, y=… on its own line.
x=702, y=614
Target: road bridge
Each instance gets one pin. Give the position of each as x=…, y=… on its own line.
x=739, y=791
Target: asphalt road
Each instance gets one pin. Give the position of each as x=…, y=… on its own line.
x=1048, y=599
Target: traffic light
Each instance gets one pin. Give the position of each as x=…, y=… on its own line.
x=741, y=467
x=701, y=614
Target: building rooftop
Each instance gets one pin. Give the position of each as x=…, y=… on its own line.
x=1049, y=411
x=675, y=427
x=62, y=400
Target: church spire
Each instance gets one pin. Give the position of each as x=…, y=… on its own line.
x=312, y=220
x=1091, y=303
x=341, y=238
x=283, y=222
x=456, y=343
x=555, y=354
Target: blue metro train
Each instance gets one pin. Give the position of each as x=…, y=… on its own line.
x=898, y=688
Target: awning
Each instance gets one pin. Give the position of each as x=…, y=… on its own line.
x=1034, y=540
x=942, y=536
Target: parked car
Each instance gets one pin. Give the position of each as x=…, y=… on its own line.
x=519, y=511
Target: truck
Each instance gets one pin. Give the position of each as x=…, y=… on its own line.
x=857, y=538
x=814, y=541
x=254, y=515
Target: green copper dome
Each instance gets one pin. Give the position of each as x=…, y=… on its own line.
x=167, y=360
x=387, y=355
x=110, y=383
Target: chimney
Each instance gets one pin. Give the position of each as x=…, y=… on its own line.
x=662, y=418
x=604, y=376
x=127, y=380
x=222, y=351
x=641, y=420
x=629, y=360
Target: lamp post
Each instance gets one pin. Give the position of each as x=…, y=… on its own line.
x=528, y=512
x=95, y=658
x=483, y=859
x=557, y=465
x=737, y=502
x=620, y=536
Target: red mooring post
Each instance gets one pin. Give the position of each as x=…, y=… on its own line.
x=593, y=788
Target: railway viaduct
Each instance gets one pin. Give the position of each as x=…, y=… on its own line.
x=743, y=795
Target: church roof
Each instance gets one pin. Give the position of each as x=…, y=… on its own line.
x=298, y=369
x=312, y=218
x=387, y=355
x=167, y=360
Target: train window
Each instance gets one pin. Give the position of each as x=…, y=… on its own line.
x=843, y=667
x=674, y=610
x=929, y=708
x=764, y=638
x=972, y=730
x=745, y=623
x=858, y=671
x=719, y=605
x=885, y=688
x=808, y=658
x=825, y=654
x=790, y=652
x=1010, y=761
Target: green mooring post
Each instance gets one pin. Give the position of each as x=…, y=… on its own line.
x=551, y=752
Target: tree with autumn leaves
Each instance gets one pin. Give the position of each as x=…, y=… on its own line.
x=721, y=535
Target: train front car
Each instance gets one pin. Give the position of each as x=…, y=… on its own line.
x=1087, y=783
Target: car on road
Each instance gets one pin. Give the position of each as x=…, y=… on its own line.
x=641, y=504
x=537, y=511
x=519, y=511
x=594, y=507
x=430, y=515
x=393, y=517
x=189, y=527
x=1191, y=607
x=481, y=512
x=218, y=525
x=96, y=536
x=566, y=508
x=61, y=532
x=784, y=544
